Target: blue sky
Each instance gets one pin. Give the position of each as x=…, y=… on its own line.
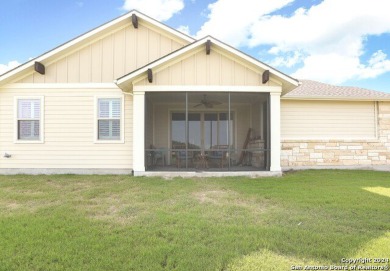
x=343, y=42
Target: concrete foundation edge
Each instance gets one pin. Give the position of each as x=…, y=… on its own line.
x=187, y=174
x=56, y=171
x=357, y=167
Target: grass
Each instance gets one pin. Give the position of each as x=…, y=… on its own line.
x=70, y=222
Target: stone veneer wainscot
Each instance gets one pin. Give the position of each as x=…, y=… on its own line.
x=328, y=153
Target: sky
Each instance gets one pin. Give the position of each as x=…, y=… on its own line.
x=341, y=42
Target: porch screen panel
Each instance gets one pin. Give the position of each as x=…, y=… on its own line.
x=178, y=127
x=194, y=131
x=225, y=135
x=211, y=129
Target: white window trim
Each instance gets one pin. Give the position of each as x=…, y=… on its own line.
x=122, y=121
x=41, y=120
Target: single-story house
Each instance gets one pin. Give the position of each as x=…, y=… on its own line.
x=135, y=96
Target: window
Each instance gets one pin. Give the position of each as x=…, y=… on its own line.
x=29, y=119
x=109, y=119
x=205, y=130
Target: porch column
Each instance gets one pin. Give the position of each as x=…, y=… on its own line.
x=275, y=131
x=138, y=132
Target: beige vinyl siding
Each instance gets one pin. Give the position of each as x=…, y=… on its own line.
x=215, y=69
x=327, y=120
x=69, y=131
x=108, y=57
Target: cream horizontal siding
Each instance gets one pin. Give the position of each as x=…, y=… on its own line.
x=108, y=57
x=197, y=68
x=327, y=120
x=69, y=131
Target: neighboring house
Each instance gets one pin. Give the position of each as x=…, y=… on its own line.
x=136, y=96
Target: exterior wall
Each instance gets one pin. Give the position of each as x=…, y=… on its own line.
x=69, y=131
x=328, y=119
x=200, y=69
x=108, y=58
x=342, y=152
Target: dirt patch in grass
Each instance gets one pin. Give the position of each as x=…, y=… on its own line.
x=212, y=196
x=231, y=198
x=31, y=206
x=113, y=209
x=13, y=206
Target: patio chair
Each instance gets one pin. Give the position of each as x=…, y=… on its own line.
x=157, y=156
x=220, y=153
x=181, y=157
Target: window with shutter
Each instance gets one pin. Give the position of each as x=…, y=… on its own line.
x=28, y=119
x=109, y=119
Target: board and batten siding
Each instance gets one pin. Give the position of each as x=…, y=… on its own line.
x=200, y=69
x=328, y=119
x=69, y=123
x=108, y=57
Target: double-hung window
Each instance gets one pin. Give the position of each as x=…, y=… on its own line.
x=109, y=119
x=29, y=126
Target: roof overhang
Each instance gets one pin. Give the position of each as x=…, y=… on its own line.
x=71, y=45
x=126, y=82
x=341, y=98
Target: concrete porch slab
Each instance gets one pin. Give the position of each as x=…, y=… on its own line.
x=172, y=174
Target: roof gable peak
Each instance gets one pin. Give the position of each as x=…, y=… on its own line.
x=48, y=56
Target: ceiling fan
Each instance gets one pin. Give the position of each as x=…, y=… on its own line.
x=207, y=103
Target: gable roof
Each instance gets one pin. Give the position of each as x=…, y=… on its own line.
x=125, y=82
x=89, y=36
x=312, y=90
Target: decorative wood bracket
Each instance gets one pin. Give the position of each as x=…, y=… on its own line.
x=39, y=67
x=265, y=77
x=150, y=76
x=208, y=47
x=134, y=20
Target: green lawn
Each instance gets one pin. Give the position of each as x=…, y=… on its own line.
x=70, y=222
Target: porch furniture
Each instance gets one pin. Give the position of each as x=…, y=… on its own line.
x=157, y=156
x=257, y=159
x=244, y=153
x=220, y=153
x=202, y=160
x=181, y=155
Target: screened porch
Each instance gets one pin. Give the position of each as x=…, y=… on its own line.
x=207, y=131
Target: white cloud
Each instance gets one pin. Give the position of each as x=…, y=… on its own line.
x=329, y=39
x=184, y=29
x=335, y=68
x=287, y=60
x=161, y=10
x=322, y=67
x=377, y=65
x=230, y=20
x=10, y=65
